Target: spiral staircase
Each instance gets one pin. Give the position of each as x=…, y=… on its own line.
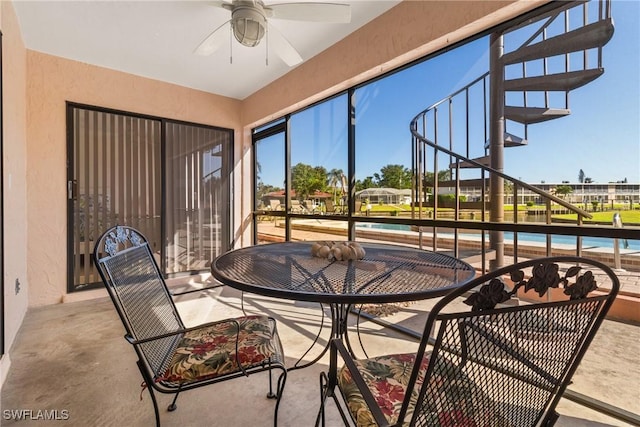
x=525, y=85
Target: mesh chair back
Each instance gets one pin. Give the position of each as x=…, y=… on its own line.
x=517, y=360
x=138, y=291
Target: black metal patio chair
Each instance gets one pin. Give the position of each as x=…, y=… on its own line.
x=495, y=364
x=171, y=357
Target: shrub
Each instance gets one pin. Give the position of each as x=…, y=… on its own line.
x=451, y=198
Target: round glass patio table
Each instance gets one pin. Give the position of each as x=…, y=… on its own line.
x=386, y=274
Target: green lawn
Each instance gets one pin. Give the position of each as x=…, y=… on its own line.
x=627, y=217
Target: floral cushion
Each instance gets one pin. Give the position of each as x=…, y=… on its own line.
x=387, y=378
x=211, y=352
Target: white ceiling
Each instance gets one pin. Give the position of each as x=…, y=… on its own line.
x=156, y=39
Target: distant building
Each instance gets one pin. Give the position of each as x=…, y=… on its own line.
x=605, y=193
x=386, y=196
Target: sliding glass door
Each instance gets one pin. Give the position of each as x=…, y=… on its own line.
x=198, y=193
x=114, y=179
x=170, y=180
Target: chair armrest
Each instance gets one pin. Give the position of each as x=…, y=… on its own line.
x=176, y=294
x=337, y=346
x=134, y=341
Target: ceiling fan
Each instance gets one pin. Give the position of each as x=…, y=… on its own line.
x=249, y=24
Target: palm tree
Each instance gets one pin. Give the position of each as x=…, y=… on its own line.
x=335, y=177
x=562, y=190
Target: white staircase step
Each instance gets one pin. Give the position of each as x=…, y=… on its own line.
x=484, y=161
x=589, y=36
x=510, y=140
x=528, y=115
x=554, y=82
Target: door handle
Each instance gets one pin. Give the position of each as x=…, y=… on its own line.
x=72, y=189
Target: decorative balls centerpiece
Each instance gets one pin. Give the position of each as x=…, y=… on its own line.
x=338, y=251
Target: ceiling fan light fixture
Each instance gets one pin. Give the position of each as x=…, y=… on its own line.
x=249, y=25
x=249, y=22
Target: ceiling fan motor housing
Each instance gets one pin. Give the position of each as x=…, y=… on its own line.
x=248, y=22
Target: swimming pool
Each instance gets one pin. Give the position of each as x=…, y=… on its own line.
x=587, y=242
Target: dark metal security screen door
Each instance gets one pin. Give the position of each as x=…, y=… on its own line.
x=197, y=195
x=169, y=180
x=114, y=178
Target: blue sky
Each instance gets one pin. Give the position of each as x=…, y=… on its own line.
x=601, y=136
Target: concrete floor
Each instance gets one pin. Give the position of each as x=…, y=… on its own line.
x=73, y=357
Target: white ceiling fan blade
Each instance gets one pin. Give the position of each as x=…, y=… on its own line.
x=213, y=41
x=283, y=48
x=312, y=12
x=220, y=3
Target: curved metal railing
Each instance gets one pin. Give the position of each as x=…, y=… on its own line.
x=460, y=158
x=555, y=35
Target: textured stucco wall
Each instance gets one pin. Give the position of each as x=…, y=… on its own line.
x=51, y=81
x=14, y=165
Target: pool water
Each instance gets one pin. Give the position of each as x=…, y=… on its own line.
x=587, y=242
